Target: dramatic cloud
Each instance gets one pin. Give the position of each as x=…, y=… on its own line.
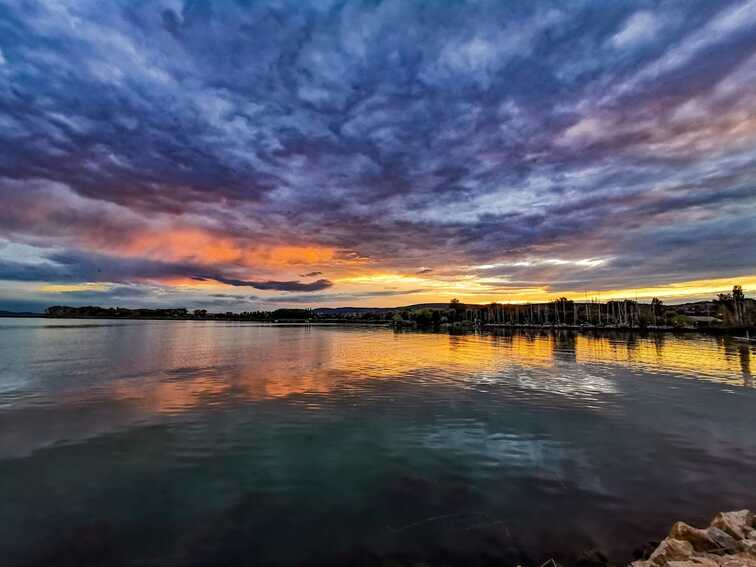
x=279, y=286
x=186, y=147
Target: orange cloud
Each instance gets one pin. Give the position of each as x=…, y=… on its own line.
x=294, y=255
x=184, y=244
x=203, y=247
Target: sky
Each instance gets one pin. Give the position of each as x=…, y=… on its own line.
x=241, y=155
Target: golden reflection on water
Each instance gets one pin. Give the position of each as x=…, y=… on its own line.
x=170, y=396
x=713, y=358
x=256, y=363
x=143, y=371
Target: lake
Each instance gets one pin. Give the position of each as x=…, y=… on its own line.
x=166, y=443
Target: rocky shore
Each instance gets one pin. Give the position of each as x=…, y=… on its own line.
x=728, y=541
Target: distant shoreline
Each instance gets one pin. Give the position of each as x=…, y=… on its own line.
x=732, y=332
x=199, y=319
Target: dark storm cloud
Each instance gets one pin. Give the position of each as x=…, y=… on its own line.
x=409, y=133
x=127, y=293
x=74, y=266
x=78, y=266
x=269, y=285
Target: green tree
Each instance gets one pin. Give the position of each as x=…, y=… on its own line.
x=456, y=310
x=422, y=317
x=657, y=308
x=728, y=307
x=738, y=300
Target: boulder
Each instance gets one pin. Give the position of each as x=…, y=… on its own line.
x=738, y=523
x=737, y=561
x=707, y=560
x=671, y=549
x=710, y=539
x=695, y=562
x=698, y=538
x=730, y=541
x=723, y=540
x=748, y=547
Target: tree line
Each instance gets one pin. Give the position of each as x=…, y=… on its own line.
x=728, y=310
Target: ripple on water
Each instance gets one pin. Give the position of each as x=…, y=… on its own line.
x=364, y=440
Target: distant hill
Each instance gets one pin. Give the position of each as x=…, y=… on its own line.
x=326, y=311
x=345, y=310
x=438, y=306
x=18, y=314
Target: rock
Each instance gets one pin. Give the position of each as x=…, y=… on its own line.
x=738, y=523
x=694, y=562
x=730, y=541
x=736, y=561
x=698, y=538
x=710, y=539
x=671, y=549
x=724, y=541
x=748, y=547
x=707, y=560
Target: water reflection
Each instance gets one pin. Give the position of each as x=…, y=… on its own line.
x=231, y=441
x=316, y=362
x=745, y=364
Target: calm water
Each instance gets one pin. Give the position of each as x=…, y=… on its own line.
x=213, y=443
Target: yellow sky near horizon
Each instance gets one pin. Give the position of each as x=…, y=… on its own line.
x=393, y=290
